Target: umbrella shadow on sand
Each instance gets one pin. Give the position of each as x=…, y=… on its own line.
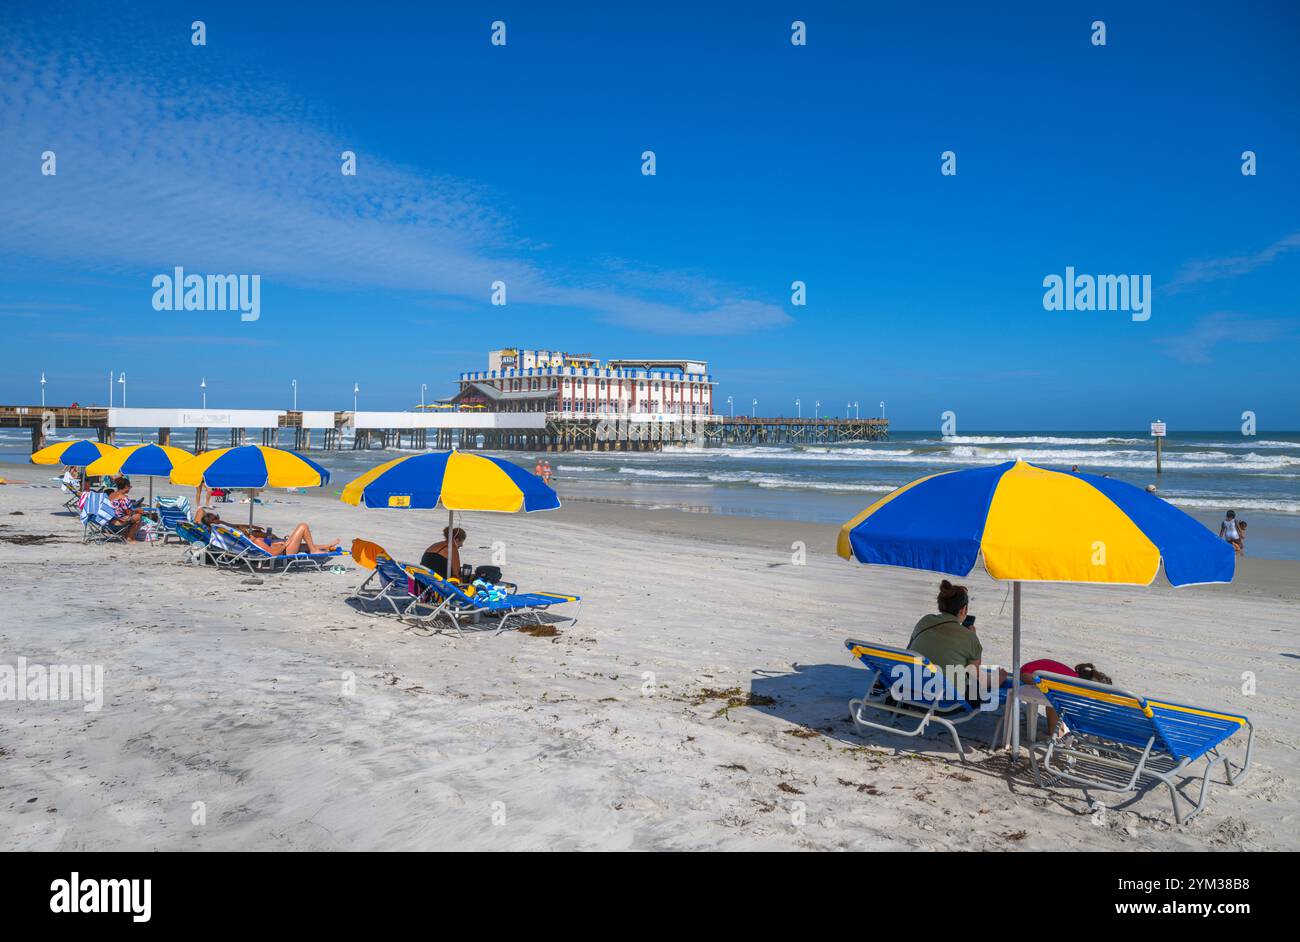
x=814, y=698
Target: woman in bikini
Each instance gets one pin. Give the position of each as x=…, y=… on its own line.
x=299, y=541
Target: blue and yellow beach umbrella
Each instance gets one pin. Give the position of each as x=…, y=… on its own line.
x=455, y=479
x=76, y=454
x=149, y=460
x=1032, y=524
x=250, y=466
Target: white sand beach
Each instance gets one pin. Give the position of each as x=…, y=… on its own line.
x=300, y=724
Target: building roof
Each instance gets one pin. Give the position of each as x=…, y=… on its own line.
x=492, y=394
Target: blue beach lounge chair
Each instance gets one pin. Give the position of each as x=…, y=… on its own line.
x=450, y=600
x=1116, y=740
x=172, y=511
x=97, y=517
x=904, y=684
x=391, y=582
x=229, y=548
x=195, y=536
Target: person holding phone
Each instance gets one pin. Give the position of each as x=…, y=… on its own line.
x=948, y=639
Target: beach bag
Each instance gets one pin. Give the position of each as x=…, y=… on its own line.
x=487, y=574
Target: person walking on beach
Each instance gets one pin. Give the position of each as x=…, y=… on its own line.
x=1230, y=531
x=546, y=473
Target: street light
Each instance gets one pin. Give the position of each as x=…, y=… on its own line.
x=847, y=407
x=755, y=408
x=732, y=406
x=423, y=387
x=122, y=379
x=356, y=388
x=818, y=413
x=203, y=391
x=857, y=413
x=882, y=408
x=798, y=409
x=110, y=389
x=295, y=395
x=42, y=389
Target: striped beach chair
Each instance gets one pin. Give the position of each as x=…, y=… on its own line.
x=904, y=685
x=463, y=605
x=97, y=517
x=1120, y=742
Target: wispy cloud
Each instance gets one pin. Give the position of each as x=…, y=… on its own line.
x=1224, y=327
x=1231, y=267
x=158, y=170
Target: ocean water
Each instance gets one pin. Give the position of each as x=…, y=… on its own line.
x=1205, y=473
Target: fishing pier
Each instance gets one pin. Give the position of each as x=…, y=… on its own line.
x=467, y=430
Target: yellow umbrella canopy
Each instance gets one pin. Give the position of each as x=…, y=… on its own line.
x=149, y=460
x=77, y=454
x=250, y=466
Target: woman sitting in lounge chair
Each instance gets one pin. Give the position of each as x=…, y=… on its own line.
x=435, y=557
x=126, y=515
x=299, y=541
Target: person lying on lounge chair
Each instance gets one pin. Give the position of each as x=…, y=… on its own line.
x=1086, y=671
x=126, y=514
x=299, y=541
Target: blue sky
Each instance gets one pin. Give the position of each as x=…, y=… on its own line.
x=775, y=163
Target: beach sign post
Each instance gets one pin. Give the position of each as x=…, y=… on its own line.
x=1032, y=524
x=1158, y=433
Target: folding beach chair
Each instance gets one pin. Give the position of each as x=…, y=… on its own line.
x=364, y=554
x=97, y=517
x=195, y=537
x=904, y=684
x=464, y=605
x=229, y=547
x=1116, y=740
x=73, y=494
x=171, y=512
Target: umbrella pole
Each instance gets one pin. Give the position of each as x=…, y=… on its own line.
x=1015, y=672
x=451, y=538
x=250, y=506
